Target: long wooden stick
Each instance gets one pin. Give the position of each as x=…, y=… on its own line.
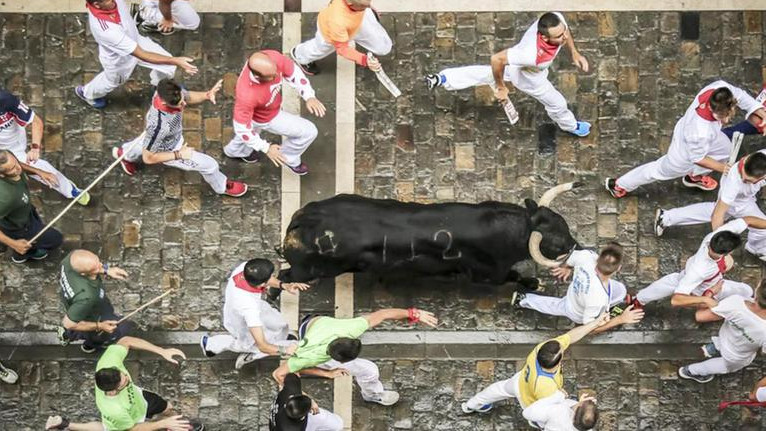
x=87, y=189
x=139, y=309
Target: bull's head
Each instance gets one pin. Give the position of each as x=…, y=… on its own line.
x=550, y=238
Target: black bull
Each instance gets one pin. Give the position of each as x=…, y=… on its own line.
x=350, y=233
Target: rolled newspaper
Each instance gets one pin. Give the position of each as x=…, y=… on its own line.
x=385, y=80
x=510, y=110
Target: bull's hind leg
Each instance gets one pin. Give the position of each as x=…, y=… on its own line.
x=527, y=283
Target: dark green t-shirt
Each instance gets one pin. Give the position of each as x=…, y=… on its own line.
x=81, y=296
x=15, y=207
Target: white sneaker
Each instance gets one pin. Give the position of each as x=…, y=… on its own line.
x=9, y=376
x=243, y=359
x=659, y=227
x=387, y=398
x=483, y=409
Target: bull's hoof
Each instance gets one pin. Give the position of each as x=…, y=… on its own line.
x=529, y=283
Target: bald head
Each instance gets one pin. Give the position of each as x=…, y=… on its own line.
x=262, y=67
x=85, y=262
x=359, y=4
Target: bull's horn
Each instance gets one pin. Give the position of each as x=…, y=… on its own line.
x=551, y=193
x=534, y=250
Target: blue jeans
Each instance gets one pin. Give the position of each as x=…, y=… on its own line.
x=50, y=240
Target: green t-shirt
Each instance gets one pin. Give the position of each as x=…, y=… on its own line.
x=312, y=349
x=15, y=207
x=81, y=296
x=126, y=409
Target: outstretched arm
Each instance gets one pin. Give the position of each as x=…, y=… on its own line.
x=579, y=332
x=413, y=314
x=577, y=58
x=140, y=344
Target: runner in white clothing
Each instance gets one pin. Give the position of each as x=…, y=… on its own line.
x=559, y=413
x=165, y=16
x=256, y=329
x=525, y=65
x=701, y=283
x=698, y=146
x=737, y=197
x=120, y=49
x=591, y=293
x=742, y=334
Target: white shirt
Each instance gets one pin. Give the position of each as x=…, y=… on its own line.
x=693, y=134
x=553, y=413
x=527, y=53
x=587, y=296
x=734, y=191
x=701, y=270
x=115, y=41
x=742, y=333
x=243, y=310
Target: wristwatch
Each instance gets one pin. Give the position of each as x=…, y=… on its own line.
x=105, y=266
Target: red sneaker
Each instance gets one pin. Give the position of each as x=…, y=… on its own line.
x=616, y=191
x=703, y=182
x=235, y=188
x=129, y=167
x=632, y=300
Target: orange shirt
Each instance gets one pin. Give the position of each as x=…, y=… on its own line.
x=338, y=22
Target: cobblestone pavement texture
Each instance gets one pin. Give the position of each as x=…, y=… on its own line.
x=643, y=395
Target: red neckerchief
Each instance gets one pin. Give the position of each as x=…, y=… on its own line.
x=721, y=268
x=545, y=50
x=240, y=282
x=741, y=169
x=106, y=15
x=703, y=109
x=157, y=103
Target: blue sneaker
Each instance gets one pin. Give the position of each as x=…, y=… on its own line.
x=203, y=345
x=582, y=130
x=483, y=409
x=99, y=103
x=684, y=373
x=710, y=351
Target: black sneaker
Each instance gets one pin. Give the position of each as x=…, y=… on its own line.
x=659, y=228
x=87, y=349
x=253, y=157
x=684, y=373
x=38, y=254
x=61, y=336
x=135, y=12
x=516, y=298
x=433, y=80
x=309, y=69
x=616, y=191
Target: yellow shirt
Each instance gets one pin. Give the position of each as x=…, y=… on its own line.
x=338, y=22
x=534, y=383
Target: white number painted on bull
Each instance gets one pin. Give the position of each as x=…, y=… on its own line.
x=332, y=246
x=445, y=254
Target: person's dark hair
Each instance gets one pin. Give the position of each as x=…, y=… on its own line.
x=546, y=22
x=258, y=271
x=760, y=294
x=725, y=242
x=344, y=349
x=549, y=354
x=586, y=416
x=108, y=379
x=722, y=101
x=170, y=92
x=755, y=165
x=5, y=155
x=610, y=259
x=298, y=407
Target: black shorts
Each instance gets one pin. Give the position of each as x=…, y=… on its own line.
x=155, y=404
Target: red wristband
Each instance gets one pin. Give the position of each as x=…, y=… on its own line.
x=412, y=316
x=709, y=293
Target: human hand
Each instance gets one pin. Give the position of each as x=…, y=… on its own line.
x=314, y=408
x=210, y=95
x=186, y=152
x=501, y=93
x=275, y=155
x=337, y=372
x=562, y=273
x=169, y=354
x=426, y=317
x=56, y=423
x=709, y=302
x=726, y=168
x=580, y=61
x=165, y=26
x=33, y=155
x=117, y=273
x=21, y=246
x=373, y=64
x=315, y=107
x=602, y=319
x=108, y=326
x=631, y=315
x=176, y=423
x=294, y=287
x=185, y=63
x=49, y=179
x=291, y=349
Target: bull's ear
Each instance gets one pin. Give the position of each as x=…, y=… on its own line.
x=531, y=207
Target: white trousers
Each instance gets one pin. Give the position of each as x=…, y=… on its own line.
x=535, y=85
x=719, y=365
x=702, y=213
x=371, y=35
x=560, y=306
x=298, y=131
x=497, y=391
x=324, y=421
x=365, y=373
x=663, y=169
x=202, y=163
x=64, y=186
x=227, y=342
x=184, y=15
x=115, y=74
x=275, y=331
x=666, y=286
